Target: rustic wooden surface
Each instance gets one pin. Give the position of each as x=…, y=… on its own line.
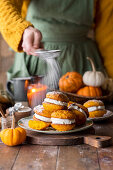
x=78, y=157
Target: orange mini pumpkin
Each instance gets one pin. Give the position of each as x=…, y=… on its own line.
x=13, y=136
x=90, y=91
x=70, y=82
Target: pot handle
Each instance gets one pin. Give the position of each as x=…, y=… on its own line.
x=9, y=90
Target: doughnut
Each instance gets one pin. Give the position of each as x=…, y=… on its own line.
x=55, y=101
x=80, y=111
x=42, y=114
x=37, y=124
x=95, y=108
x=63, y=120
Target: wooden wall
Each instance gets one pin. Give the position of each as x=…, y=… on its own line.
x=6, y=60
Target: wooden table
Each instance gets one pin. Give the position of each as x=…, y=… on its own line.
x=79, y=157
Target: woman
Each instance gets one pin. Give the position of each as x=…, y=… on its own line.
x=60, y=25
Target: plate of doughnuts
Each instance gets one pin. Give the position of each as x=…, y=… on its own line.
x=24, y=123
x=57, y=115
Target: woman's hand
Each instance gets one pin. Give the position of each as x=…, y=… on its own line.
x=31, y=40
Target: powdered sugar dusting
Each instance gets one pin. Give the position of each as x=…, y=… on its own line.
x=38, y=108
x=56, y=92
x=94, y=100
x=107, y=160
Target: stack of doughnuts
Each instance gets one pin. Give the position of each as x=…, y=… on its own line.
x=56, y=111
x=62, y=115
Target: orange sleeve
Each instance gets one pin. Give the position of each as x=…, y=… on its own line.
x=12, y=24
x=104, y=32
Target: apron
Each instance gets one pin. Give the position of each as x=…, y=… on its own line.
x=64, y=25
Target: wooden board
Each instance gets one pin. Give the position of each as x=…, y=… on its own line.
x=86, y=136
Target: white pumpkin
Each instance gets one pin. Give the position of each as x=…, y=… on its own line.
x=93, y=78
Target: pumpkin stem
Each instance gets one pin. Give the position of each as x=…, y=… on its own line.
x=92, y=64
x=13, y=121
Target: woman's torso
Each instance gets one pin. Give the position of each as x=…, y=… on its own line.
x=58, y=19
x=64, y=25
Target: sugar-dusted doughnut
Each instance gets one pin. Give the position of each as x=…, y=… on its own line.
x=55, y=101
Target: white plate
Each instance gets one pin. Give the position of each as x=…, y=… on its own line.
x=104, y=117
x=24, y=124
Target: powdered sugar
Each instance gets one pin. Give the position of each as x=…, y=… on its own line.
x=94, y=100
x=38, y=108
x=54, y=92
